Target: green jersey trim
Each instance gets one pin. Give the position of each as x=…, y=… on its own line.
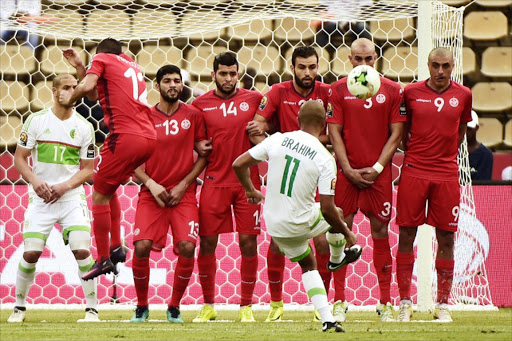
x=58, y=153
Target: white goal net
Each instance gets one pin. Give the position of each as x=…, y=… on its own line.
x=188, y=34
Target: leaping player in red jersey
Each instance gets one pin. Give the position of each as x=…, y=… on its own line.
x=281, y=105
x=118, y=82
x=364, y=135
x=437, y=112
x=226, y=111
x=168, y=196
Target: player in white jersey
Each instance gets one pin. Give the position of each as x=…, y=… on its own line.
x=61, y=143
x=298, y=165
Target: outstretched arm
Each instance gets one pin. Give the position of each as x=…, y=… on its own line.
x=241, y=167
x=73, y=58
x=87, y=85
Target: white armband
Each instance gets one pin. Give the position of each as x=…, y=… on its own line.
x=378, y=167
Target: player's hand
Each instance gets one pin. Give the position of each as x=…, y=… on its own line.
x=72, y=57
x=255, y=197
x=176, y=193
x=204, y=147
x=58, y=191
x=159, y=192
x=255, y=128
x=355, y=176
x=42, y=189
x=370, y=174
x=351, y=239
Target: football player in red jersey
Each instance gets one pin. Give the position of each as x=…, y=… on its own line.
x=226, y=111
x=281, y=105
x=168, y=196
x=437, y=112
x=364, y=135
x=118, y=82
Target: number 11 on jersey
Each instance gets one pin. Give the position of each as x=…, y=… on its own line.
x=296, y=163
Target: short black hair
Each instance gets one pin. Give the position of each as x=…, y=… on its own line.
x=225, y=58
x=304, y=52
x=165, y=70
x=110, y=45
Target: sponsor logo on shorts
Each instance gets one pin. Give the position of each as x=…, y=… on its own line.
x=263, y=103
x=23, y=138
x=381, y=98
x=244, y=106
x=454, y=102
x=329, y=112
x=90, y=151
x=136, y=232
x=185, y=124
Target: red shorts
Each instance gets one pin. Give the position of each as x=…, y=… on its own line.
x=215, y=216
x=120, y=156
x=375, y=200
x=443, y=202
x=152, y=221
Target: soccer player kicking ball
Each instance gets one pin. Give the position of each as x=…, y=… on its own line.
x=118, y=82
x=437, y=112
x=364, y=135
x=168, y=196
x=298, y=165
x=226, y=111
x=61, y=143
x=281, y=105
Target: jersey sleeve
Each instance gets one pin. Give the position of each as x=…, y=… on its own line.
x=199, y=126
x=87, y=147
x=28, y=133
x=269, y=103
x=398, y=113
x=334, y=112
x=261, y=150
x=468, y=105
x=327, y=179
x=97, y=65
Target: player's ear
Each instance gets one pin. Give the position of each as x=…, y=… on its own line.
x=157, y=86
x=213, y=75
x=292, y=68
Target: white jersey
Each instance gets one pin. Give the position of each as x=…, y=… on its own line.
x=57, y=147
x=298, y=165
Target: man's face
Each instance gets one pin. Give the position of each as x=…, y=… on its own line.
x=67, y=85
x=362, y=56
x=170, y=87
x=305, y=71
x=226, y=78
x=440, y=68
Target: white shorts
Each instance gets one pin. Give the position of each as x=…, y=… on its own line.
x=71, y=215
x=297, y=248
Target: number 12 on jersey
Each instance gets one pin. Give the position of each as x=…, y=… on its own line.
x=285, y=180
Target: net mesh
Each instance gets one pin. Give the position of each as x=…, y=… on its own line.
x=189, y=34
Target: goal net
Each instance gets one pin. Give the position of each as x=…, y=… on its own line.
x=263, y=33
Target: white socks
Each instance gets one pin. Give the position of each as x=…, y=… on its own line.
x=336, y=246
x=90, y=286
x=317, y=294
x=24, y=278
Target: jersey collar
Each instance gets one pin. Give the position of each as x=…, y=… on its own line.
x=439, y=93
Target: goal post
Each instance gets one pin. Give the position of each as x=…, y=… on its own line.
x=263, y=33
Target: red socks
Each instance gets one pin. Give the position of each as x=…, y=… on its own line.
x=339, y=284
x=207, y=268
x=404, y=266
x=115, y=218
x=248, y=279
x=101, y=227
x=383, y=264
x=322, y=261
x=182, y=275
x=444, y=269
x=140, y=267
x=275, y=270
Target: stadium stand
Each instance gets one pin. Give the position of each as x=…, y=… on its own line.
x=10, y=130
x=13, y=96
x=485, y=25
x=400, y=63
x=492, y=97
x=255, y=30
x=469, y=61
x=340, y=65
x=99, y=21
x=16, y=60
x=264, y=59
x=392, y=30
x=41, y=96
x=152, y=57
x=53, y=63
x=497, y=62
x=490, y=132
x=291, y=29
x=508, y=134
x=159, y=19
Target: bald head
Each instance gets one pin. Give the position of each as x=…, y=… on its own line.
x=363, y=44
x=362, y=52
x=312, y=115
x=57, y=81
x=440, y=52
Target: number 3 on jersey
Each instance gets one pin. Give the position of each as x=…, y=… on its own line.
x=285, y=180
x=137, y=77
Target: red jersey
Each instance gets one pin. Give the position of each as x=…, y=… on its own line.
x=284, y=101
x=365, y=123
x=434, y=120
x=225, y=120
x=123, y=96
x=173, y=157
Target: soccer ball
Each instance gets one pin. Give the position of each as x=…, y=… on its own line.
x=363, y=82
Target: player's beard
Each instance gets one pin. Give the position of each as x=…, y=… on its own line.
x=224, y=91
x=170, y=99
x=301, y=84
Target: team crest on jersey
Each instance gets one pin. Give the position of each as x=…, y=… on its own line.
x=244, y=106
x=454, y=102
x=136, y=232
x=23, y=138
x=185, y=124
x=328, y=112
x=263, y=103
x=73, y=134
x=381, y=98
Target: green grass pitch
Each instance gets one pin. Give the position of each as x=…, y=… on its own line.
x=62, y=325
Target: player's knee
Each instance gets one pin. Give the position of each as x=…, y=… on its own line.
x=100, y=199
x=379, y=229
x=248, y=244
x=274, y=248
x=186, y=249
x=208, y=244
x=34, y=245
x=32, y=256
x=79, y=240
x=142, y=248
x=445, y=240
